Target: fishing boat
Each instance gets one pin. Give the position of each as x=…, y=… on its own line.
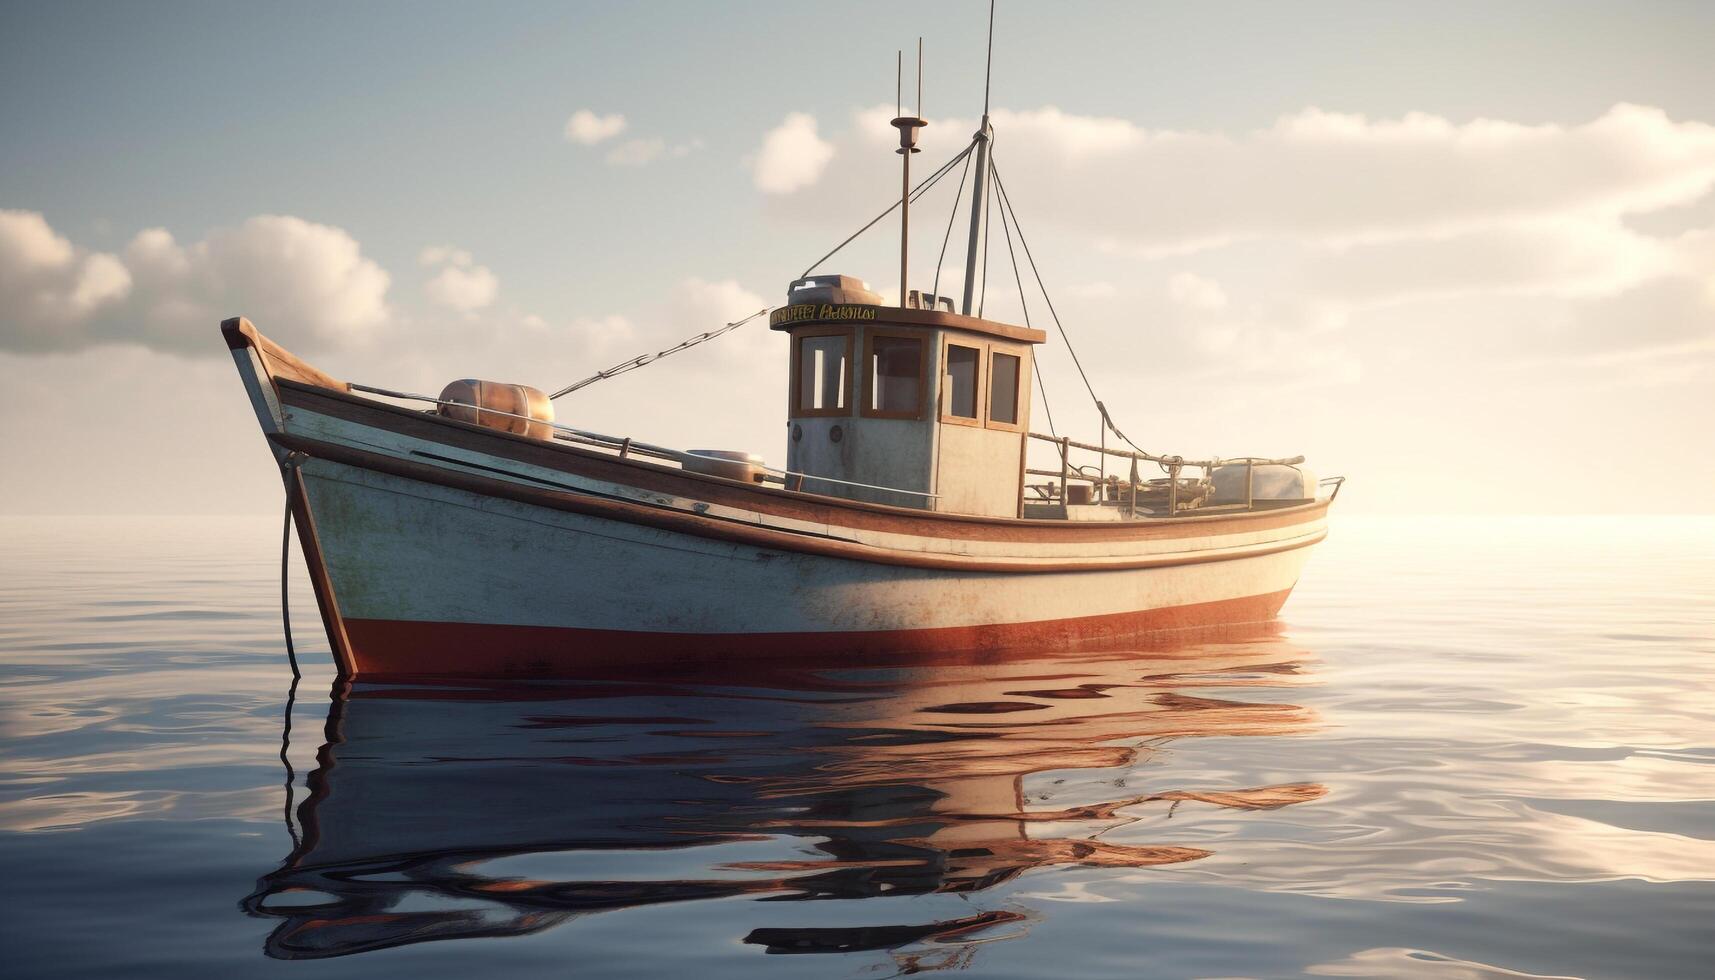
x=469, y=534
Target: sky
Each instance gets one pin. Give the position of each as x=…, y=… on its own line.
x=1460, y=253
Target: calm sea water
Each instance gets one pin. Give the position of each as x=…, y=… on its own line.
x=1471, y=748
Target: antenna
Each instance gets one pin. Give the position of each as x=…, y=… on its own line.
x=978, y=215
x=988, y=66
x=908, y=127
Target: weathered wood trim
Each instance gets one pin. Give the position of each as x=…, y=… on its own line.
x=796, y=410
x=898, y=316
x=866, y=383
x=1020, y=404
x=735, y=532
x=979, y=383
x=280, y=362
x=776, y=502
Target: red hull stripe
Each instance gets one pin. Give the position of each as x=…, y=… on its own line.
x=406, y=649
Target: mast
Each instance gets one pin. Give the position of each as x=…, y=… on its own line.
x=979, y=186
x=908, y=127
x=978, y=215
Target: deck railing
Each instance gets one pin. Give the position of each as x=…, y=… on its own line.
x=625, y=446
x=1126, y=490
x=1104, y=488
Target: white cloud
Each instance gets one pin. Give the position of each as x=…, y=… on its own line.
x=1330, y=177
x=28, y=245
x=691, y=306
x=792, y=156
x=47, y=287
x=637, y=153
x=1245, y=255
x=1099, y=289
x=465, y=290
x=587, y=128
x=644, y=151
x=1313, y=175
x=669, y=401
x=307, y=282
x=701, y=301
x=1195, y=292
x=444, y=255
x=1571, y=256
x=460, y=284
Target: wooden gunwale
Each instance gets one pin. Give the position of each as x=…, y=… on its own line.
x=774, y=501
x=281, y=363
x=737, y=532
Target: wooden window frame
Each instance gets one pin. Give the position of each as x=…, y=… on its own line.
x=1017, y=394
x=946, y=390
x=794, y=408
x=867, y=387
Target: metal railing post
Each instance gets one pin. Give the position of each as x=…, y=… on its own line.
x=1102, y=466
x=1065, y=465
x=1131, y=503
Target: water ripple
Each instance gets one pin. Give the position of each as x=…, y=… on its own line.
x=1474, y=748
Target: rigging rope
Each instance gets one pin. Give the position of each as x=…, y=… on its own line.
x=1043, y=391
x=645, y=359
x=982, y=298
x=288, y=469
x=1006, y=202
x=1018, y=280
x=642, y=360
x=958, y=195
x=916, y=193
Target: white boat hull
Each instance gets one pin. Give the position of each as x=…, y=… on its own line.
x=436, y=580
x=440, y=548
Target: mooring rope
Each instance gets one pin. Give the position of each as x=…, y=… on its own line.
x=289, y=470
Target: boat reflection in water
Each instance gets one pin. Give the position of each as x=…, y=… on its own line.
x=438, y=813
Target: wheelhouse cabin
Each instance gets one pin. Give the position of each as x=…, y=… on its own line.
x=913, y=406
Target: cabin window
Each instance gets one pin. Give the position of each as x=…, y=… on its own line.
x=824, y=372
x=895, y=376
x=1003, y=388
x=961, y=385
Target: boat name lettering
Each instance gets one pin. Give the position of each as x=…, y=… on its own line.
x=800, y=312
